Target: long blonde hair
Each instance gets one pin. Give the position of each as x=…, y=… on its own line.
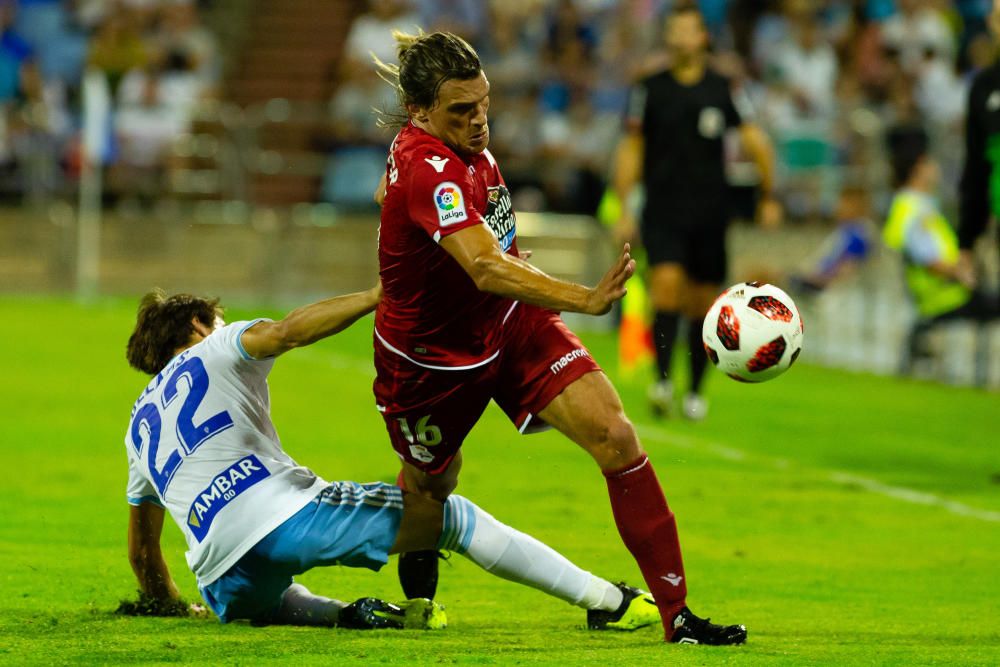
x=426, y=60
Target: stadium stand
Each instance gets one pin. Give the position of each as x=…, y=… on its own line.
x=258, y=114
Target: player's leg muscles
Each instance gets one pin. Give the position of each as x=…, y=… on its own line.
x=590, y=413
x=418, y=569
x=427, y=440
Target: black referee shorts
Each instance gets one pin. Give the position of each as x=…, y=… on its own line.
x=695, y=240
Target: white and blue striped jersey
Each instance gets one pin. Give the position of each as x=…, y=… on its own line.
x=200, y=442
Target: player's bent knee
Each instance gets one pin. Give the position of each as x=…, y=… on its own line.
x=615, y=444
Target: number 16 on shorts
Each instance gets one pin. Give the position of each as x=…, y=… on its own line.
x=423, y=435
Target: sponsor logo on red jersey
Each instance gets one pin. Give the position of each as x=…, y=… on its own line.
x=499, y=216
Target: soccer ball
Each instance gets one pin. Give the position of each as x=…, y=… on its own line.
x=753, y=332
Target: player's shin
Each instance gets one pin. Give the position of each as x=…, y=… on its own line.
x=418, y=574
x=649, y=531
x=512, y=555
x=418, y=570
x=301, y=607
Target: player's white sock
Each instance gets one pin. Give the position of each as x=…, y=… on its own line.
x=300, y=607
x=512, y=555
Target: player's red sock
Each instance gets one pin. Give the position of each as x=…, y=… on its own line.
x=648, y=529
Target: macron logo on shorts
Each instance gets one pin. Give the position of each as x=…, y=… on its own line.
x=450, y=204
x=565, y=360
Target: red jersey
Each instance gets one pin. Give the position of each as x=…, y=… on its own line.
x=431, y=312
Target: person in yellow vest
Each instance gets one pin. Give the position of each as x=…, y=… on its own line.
x=941, y=286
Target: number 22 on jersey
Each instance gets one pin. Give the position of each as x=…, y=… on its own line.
x=146, y=427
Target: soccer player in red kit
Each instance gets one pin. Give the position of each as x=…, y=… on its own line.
x=464, y=320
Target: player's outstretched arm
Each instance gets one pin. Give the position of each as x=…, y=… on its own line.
x=494, y=271
x=309, y=324
x=144, y=528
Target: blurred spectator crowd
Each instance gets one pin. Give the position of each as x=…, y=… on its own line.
x=828, y=80
x=159, y=61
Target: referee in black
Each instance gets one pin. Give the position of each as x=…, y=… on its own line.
x=979, y=190
x=675, y=126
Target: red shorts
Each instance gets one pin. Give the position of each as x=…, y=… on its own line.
x=429, y=412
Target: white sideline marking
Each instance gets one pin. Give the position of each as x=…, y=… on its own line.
x=914, y=496
x=837, y=477
x=730, y=453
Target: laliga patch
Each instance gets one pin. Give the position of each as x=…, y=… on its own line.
x=450, y=204
x=225, y=486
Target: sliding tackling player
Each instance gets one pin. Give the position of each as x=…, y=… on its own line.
x=201, y=446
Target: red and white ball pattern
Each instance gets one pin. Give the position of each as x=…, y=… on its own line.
x=753, y=332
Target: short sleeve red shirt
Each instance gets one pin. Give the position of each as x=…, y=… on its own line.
x=431, y=310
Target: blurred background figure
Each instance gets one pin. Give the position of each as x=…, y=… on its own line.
x=674, y=145
x=916, y=33
x=187, y=45
x=371, y=32
x=847, y=247
x=467, y=18
x=261, y=115
x=980, y=191
x=358, y=146
x=942, y=287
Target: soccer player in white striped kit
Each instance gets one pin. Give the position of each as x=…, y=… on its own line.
x=201, y=445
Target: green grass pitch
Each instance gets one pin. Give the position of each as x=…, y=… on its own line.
x=846, y=519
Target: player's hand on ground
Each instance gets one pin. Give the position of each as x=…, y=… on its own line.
x=525, y=254
x=198, y=610
x=147, y=605
x=770, y=213
x=612, y=285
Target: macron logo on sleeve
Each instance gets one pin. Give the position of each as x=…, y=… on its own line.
x=450, y=204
